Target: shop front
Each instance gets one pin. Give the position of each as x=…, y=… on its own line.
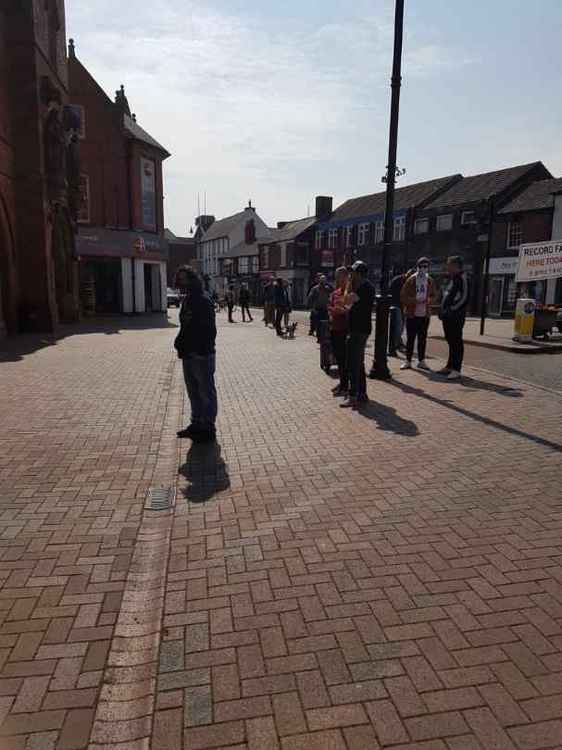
x=502, y=286
x=121, y=272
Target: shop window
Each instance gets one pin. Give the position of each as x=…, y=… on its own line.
x=514, y=235
x=421, y=226
x=445, y=223
x=363, y=234
x=84, y=208
x=399, y=229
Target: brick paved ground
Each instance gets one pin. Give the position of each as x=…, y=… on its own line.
x=327, y=579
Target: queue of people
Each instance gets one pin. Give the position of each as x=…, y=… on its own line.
x=348, y=308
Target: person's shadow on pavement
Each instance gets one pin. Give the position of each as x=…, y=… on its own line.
x=388, y=419
x=472, y=384
x=205, y=471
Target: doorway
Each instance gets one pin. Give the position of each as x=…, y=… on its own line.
x=147, y=287
x=495, y=296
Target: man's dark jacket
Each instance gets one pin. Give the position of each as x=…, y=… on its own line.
x=198, y=330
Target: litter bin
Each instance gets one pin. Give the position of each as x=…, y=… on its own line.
x=524, y=320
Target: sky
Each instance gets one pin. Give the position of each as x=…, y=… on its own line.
x=280, y=101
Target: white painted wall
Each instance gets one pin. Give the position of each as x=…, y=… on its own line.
x=127, y=284
x=140, y=302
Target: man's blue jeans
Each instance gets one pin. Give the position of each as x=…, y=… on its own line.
x=199, y=376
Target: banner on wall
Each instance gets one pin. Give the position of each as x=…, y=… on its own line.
x=540, y=261
x=148, y=193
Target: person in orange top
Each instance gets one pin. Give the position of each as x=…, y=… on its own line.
x=417, y=296
x=339, y=329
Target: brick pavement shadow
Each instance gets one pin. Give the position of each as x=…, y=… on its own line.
x=205, y=471
x=16, y=348
x=477, y=417
x=472, y=384
x=387, y=419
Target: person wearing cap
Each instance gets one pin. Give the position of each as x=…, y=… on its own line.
x=195, y=345
x=359, y=304
x=417, y=296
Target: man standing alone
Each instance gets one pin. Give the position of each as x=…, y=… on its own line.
x=360, y=305
x=244, y=299
x=453, y=315
x=195, y=345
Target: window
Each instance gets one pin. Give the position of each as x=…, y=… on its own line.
x=243, y=265
x=379, y=232
x=255, y=265
x=148, y=193
x=84, y=207
x=421, y=226
x=445, y=223
x=283, y=259
x=468, y=217
x=250, y=232
x=363, y=234
x=514, y=235
x=265, y=258
x=399, y=229
x=333, y=238
x=348, y=234
x=318, y=240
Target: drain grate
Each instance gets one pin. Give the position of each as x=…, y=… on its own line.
x=160, y=498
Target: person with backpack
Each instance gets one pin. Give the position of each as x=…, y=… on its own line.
x=453, y=315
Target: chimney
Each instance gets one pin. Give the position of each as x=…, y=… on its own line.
x=204, y=222
x=71, y=49
x=323, y=207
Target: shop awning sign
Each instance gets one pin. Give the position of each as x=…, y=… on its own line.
x=539, y=261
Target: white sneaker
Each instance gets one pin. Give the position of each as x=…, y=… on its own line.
x=407, y=365
x=423, y=365
x=454, y=375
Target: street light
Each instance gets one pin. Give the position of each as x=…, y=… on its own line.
x=379, y=370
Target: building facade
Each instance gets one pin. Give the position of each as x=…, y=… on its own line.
x=182, y=251
x=226, y=241
x=121, y=245
x=39, y=168
x=355, y=230
x=286, y=255
x=528, y=218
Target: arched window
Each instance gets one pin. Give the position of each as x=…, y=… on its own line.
x=250, y=232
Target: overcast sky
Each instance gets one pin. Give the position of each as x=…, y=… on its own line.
x=281, y=101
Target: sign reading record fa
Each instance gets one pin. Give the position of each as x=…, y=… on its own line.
x=542, y=260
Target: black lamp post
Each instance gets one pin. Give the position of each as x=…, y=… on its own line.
x=379, y=370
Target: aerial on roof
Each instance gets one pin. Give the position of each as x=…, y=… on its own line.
x=289, y=231
x=136, y=132
x=405, y=197
x=538, y=195
x=481, y=187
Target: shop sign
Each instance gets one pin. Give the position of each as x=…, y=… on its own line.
x=540, y=261
x=503, y=266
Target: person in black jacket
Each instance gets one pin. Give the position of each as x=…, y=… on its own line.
x=453, y=315
x=281, y=299
x=195, y=345
x=244, y=300
x=360, y=303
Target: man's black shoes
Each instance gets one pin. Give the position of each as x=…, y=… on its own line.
x=198, y=435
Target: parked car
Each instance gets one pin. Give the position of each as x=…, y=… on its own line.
x=174, y=299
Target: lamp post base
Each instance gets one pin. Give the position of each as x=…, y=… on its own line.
x=379, y=370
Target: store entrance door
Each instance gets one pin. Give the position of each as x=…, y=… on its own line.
x=147, y=287
x=495, y=296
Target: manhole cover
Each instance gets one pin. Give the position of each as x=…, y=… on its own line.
x=160, y=498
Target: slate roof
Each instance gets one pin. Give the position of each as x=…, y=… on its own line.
x=242, y=250
x=135, y=131
x=537, y=196
x=290, y=231
x=405, y=197
x=480, y=187
x=223, y=227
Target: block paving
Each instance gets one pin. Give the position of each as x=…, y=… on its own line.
x=326, y=579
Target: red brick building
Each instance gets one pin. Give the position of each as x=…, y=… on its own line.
x=121, y=244
x=38, y=169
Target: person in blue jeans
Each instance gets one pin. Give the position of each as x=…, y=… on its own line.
x=195, y=345
x=360, y=303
